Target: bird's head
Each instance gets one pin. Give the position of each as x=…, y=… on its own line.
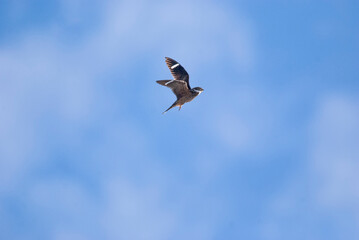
x=197, y=89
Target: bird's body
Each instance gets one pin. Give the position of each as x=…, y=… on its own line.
x=180, y=84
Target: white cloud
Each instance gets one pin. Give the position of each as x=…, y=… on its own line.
x=335, y=153
x=42, y=75
x=45, y=76
x=136, y=212
x=134, y=27
x=324, y=189
x=233, y=131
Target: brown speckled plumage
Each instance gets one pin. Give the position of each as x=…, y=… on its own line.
x=180, y=84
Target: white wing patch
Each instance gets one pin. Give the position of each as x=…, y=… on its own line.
x=174, y=66
x=174, y=81
x=168, y=82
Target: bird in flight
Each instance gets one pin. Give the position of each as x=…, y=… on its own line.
x=179, y=85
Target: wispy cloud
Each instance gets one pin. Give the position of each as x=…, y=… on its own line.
x=82, y=154
x=55, y=102
x=335, y=153
x=324, y=184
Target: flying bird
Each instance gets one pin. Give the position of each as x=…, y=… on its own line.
x=180, y=84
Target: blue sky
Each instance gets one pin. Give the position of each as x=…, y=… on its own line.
x=270, y=149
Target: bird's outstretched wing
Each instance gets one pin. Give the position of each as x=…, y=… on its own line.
x=179, y=87
x=177, y=71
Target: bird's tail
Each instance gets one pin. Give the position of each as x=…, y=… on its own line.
x=173, y=105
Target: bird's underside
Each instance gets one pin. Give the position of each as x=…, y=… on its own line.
x=180, y=89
